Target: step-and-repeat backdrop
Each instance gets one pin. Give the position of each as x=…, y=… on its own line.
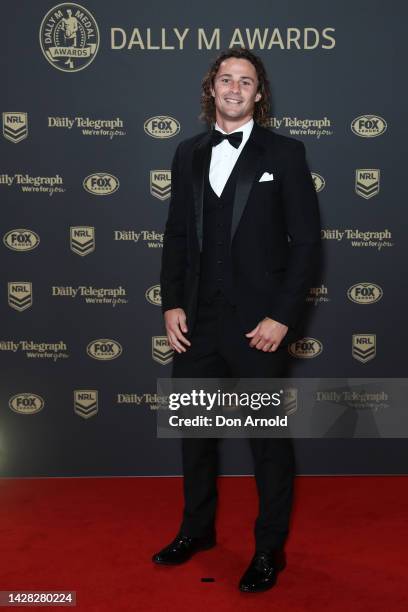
x=95, y=98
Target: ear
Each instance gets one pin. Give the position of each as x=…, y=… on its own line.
x=258, y=97
x=212, y=92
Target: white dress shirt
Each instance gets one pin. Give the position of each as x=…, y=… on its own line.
x=224, y=157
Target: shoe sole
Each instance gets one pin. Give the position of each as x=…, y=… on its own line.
x=202, y=548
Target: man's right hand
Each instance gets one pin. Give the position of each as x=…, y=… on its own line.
x=175, y=320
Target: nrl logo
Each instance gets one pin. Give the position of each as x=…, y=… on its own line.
x=161, y=350
x=15, y=126
x=290, y=397
x=160, y=184
x=85, y=403
x=82, y=240
x=363, y=347
x=20, y=295
x=318, y=181
x=367, y=182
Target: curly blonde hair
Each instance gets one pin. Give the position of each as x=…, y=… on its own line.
x=262, y=107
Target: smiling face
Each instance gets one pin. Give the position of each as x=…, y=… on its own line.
x=235, y=91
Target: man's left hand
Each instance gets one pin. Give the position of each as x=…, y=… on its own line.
x=267, y=335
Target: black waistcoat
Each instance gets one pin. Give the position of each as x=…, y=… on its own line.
x=216, y=266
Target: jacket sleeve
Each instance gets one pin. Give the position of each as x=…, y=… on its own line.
x=173, y=263
x=303, y=229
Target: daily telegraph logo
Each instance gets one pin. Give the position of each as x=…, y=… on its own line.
x=357, y=238
x=85, y=402
x=365, y=293
x=318, y=295
x=367, y=182
x=161, y=126
x=21, y=240
x=112, y=296
x=15, y=126
x=297, y=126
x=36, y=350
x=101, y=183
x=363, y=347
x=318, y=181
x=82, y=240
x=153, y=400
x=161, y=350
x=104, y=349
x=153, y=295
x=69, y=37
x=20, y=295
x=150, y=238
x=34, y=184
x=368, y=126
x=89, y=126
x=26, y=403
x=160, y=184
x=306, y=348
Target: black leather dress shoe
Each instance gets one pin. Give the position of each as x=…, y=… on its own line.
x=181, y=549
x=262, y=572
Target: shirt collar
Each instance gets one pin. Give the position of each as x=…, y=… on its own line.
x=245, y=129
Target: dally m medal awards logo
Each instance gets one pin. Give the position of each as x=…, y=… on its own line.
x=69, y=37
x=15, y=126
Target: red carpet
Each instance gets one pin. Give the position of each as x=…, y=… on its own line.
x=347, y=550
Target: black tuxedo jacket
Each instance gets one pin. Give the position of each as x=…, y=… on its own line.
x=275, y=232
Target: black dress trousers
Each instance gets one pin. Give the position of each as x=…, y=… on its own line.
x=220, y=349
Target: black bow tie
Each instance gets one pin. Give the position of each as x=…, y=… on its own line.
x=234, y=139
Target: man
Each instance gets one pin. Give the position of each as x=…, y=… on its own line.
x=240, y=248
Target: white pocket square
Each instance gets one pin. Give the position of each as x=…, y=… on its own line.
x=266, y=177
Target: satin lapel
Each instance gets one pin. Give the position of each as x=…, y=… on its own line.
x=251, y=157
x=201, y=162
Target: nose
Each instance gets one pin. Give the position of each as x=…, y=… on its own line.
x=235, y=87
